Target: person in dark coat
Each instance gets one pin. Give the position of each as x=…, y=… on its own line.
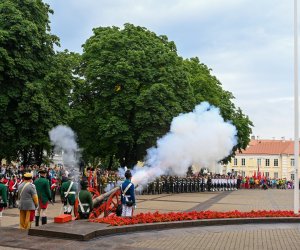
x=85, y=201
x=68, y=194
x=44, y=194
x=3, y=194
x=127, y=195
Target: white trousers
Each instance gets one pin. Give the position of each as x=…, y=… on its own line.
x=127, y=211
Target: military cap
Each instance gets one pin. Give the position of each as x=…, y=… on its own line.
x=42, y=171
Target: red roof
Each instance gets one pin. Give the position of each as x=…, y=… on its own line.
x=269, y=147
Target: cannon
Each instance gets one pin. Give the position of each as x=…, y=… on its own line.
x=104, y=204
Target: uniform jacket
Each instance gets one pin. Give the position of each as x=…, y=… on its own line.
x=27, y=196
x=3, y=192
x=64, y=188
x=130, y=192
x=12, y=185
x=43, y=189
x=85, y=198
x=54, y=183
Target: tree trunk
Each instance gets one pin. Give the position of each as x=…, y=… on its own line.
x=38, y=155
x=110, y=162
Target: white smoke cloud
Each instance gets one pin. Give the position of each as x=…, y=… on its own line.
x=200, y=137
x=64, y=140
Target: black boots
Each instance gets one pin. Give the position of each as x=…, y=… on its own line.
x=37, y=220
x=44, y=220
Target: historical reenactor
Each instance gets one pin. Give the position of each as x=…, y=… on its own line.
x=85, y=201
x=28, y=201
x=209, y=184
x=183, y=185
x=235, y=185
x=68, y=195
x=12, y=191
x=127, y=195
x=44, y=194
x=54, y=185
x=3, y=194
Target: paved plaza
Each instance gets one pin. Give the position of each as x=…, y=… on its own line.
x=250, y=236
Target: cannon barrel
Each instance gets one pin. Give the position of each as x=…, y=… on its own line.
x=103, y=197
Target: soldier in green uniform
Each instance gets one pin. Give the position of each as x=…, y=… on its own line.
x=85, y=202
x=3, y=194
x=44, y=194
x=68, y=195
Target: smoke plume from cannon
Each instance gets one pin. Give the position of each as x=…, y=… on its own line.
x=200, y=137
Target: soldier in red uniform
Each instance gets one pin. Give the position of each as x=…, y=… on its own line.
x=12, y=191
x=20, y=179
x=54, y=186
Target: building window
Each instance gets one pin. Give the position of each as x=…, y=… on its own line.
x=243, y=162
x=267, y=162
x=235, y=161
x=275, y=162
x=267, y=174
x=243, y=173
x=292, y=176
x=276, y=175
x=292, y=162
x=258, y=162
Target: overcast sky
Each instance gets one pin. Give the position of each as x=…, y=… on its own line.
x=248, y=45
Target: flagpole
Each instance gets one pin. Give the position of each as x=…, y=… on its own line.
x=296, y=110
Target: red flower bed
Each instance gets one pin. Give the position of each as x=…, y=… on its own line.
x=181, y=216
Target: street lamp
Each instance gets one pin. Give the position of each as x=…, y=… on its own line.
x=296, y=112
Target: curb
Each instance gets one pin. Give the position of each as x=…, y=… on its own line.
x=63, y=233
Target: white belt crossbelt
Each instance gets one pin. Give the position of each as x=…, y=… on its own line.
x=67, y=193
x=83, y=204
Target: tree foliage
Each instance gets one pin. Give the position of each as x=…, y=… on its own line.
x=34, y=80
x=136, y=84
x=120, y=95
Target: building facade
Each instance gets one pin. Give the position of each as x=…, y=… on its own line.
x=272, y=158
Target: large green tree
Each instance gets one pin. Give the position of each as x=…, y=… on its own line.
x=135, y=84
x=34, y=80
x=43, y=105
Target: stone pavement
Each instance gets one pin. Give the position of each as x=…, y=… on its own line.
x=272, y=236
x=254, y=236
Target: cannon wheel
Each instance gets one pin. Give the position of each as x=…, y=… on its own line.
x=97, y=212
x=112, y=203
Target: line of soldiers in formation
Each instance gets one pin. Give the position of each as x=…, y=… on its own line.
x=173, y=184
x=170, y=184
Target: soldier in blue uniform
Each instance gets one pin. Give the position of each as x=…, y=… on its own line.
x=127, y=195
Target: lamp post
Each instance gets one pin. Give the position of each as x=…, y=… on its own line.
x=296, y=112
